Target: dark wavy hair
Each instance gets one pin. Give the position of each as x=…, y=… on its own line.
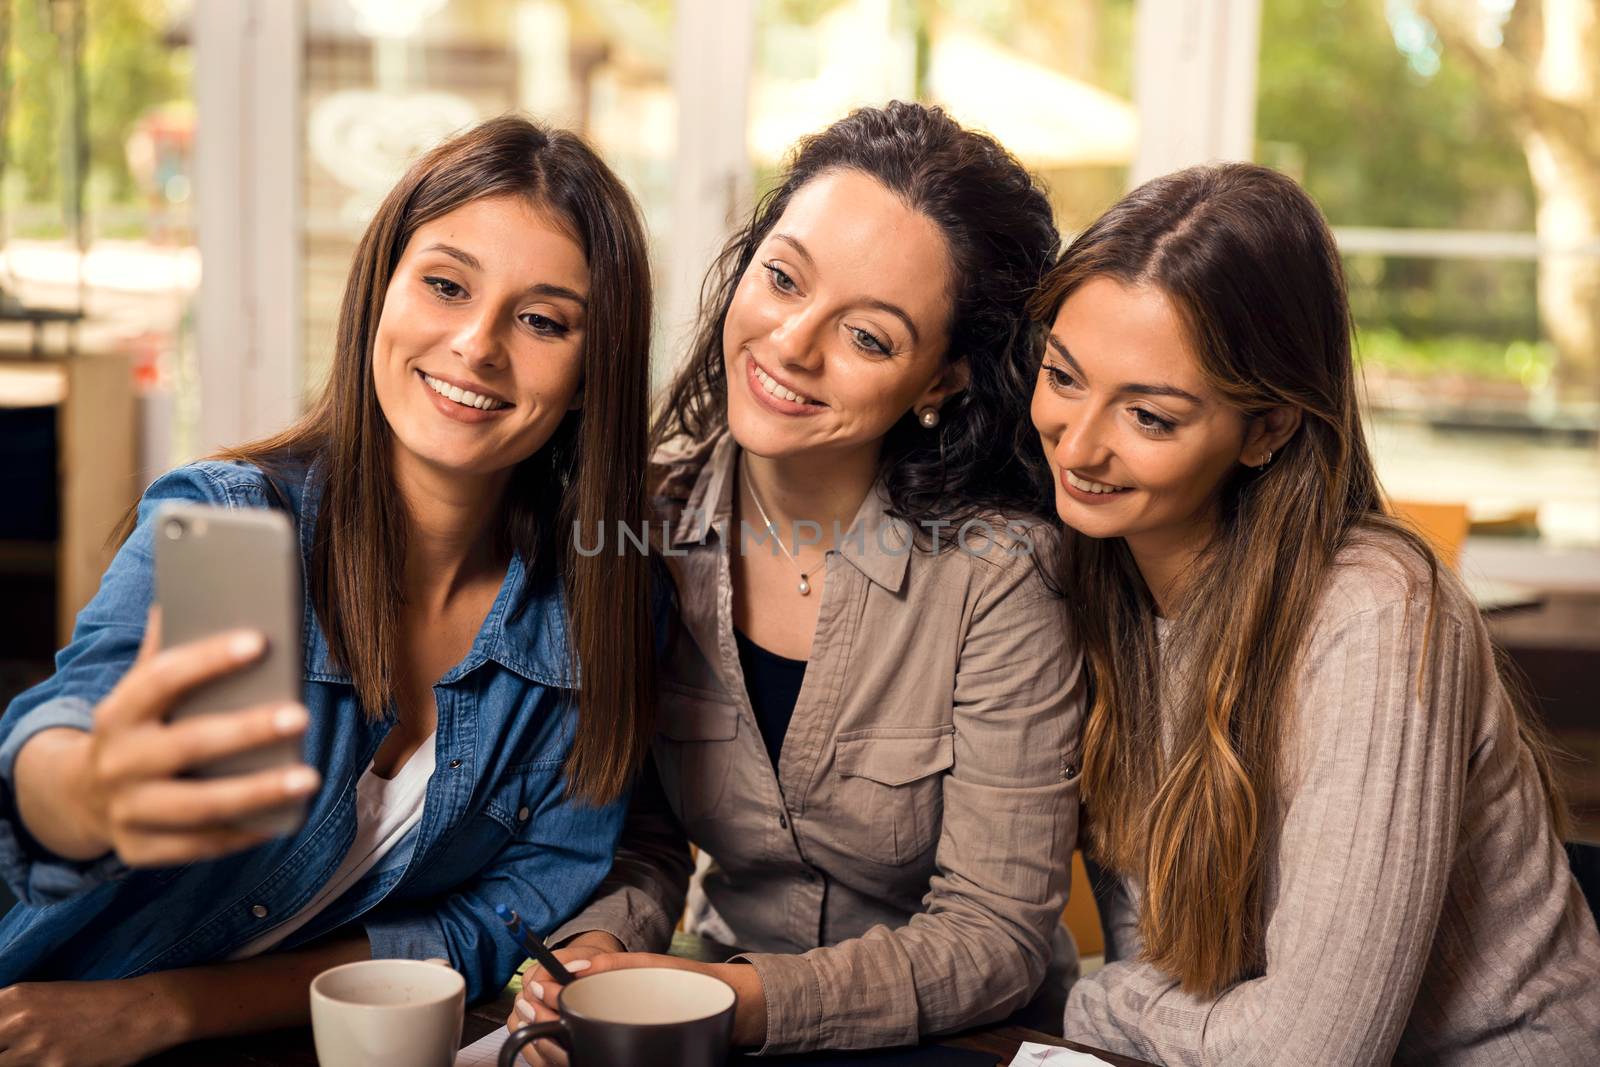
x=1001, y=236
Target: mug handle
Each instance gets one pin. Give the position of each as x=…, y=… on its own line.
x=527, y=1035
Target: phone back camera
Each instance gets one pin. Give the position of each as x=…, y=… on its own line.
x=174, y=529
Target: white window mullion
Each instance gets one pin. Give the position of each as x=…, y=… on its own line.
x=1194, y=83
x=713, y=55
x=248, y=316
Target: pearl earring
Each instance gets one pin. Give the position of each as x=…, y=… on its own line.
x=929, y=418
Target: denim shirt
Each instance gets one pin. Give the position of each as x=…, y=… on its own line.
x=496, y=826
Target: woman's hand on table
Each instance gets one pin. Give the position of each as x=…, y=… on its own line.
x=537, y=1001
x=530, y=1007
x=84, y=1024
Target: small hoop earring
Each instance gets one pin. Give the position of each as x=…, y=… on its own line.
x=1264, y=462
x=929, y=418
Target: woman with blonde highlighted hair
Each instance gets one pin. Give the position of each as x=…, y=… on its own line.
x=1327, y=832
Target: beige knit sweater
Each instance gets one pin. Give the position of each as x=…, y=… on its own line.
x=1420, y=910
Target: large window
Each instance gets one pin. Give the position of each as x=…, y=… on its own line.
x=97, y=121
x=1437, y=135
x=1052, y=79
x=386, y=79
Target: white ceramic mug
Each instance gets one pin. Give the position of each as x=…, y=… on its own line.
x=388, y=1013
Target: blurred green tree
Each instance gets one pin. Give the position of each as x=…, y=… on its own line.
x=1539, y=61
x=128, y=68
x=1431, y=114
x=1379, y=137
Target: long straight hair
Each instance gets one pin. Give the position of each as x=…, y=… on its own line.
x=997, y=224
x=1247, y=259
x=590, y=473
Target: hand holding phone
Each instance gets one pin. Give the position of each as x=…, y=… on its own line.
x=196, y=751
x=131, y=774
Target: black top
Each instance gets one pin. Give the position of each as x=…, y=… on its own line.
x=774, y=685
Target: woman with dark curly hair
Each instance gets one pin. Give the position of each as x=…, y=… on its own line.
x=868, y=716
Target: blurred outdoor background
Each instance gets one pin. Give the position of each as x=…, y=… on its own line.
x=182, y=183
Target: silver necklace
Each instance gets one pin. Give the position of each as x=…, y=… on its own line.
x=805, y=579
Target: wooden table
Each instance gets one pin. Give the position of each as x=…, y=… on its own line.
x=999, y=1040
x=293, y=1048
x=38, y=318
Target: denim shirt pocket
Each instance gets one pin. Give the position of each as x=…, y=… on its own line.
x=888, y=799
x=696, y=749
x=506, y=808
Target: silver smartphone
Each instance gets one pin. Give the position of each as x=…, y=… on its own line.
x=223, y=569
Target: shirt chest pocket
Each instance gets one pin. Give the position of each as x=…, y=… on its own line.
x=695, y=750
x=504, y=811
x=888, y=799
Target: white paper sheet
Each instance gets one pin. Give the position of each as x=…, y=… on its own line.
x=1031, y=1055
x=485, y=1051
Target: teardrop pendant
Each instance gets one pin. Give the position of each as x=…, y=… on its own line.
x=805, y=586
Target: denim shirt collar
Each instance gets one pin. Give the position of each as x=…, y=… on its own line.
x=525, y=630
x=876, y=544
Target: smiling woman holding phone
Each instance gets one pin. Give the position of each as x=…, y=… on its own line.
x=488, y=392
x=1328, y=829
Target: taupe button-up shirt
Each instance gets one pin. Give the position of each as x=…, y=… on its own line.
x=903, y=869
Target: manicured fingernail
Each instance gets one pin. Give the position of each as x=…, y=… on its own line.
x=525, y=1010
x=290, y=719
x=300, y=780
x=536, y=991
x=247, y=643
x=576, y=965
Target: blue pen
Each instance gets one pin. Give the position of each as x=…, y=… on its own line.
x=532, y=945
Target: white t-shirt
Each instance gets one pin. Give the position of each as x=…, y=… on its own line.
x=386, y=811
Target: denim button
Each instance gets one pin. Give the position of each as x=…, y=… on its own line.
x=522, y=814
x=259, y=911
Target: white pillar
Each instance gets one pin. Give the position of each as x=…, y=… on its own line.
x=248, y=321
x=1194, y=83
x=713, y=51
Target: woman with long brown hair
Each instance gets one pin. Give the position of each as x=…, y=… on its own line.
x=869, y=713
x=1327, y=833
x=477, y=692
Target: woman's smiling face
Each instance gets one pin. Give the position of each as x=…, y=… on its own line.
x=1139, y=443
x=839, y=325
x=478, y=352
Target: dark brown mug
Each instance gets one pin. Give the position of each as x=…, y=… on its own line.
x=640, y=1017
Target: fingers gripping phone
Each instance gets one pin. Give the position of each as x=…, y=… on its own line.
x=223, y=569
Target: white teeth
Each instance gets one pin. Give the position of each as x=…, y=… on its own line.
x=464, y=397
x=1084, y=485
x=771, y=385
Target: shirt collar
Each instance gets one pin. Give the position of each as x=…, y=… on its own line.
x=701, y=478
x=525, y=630
x=876, y=544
